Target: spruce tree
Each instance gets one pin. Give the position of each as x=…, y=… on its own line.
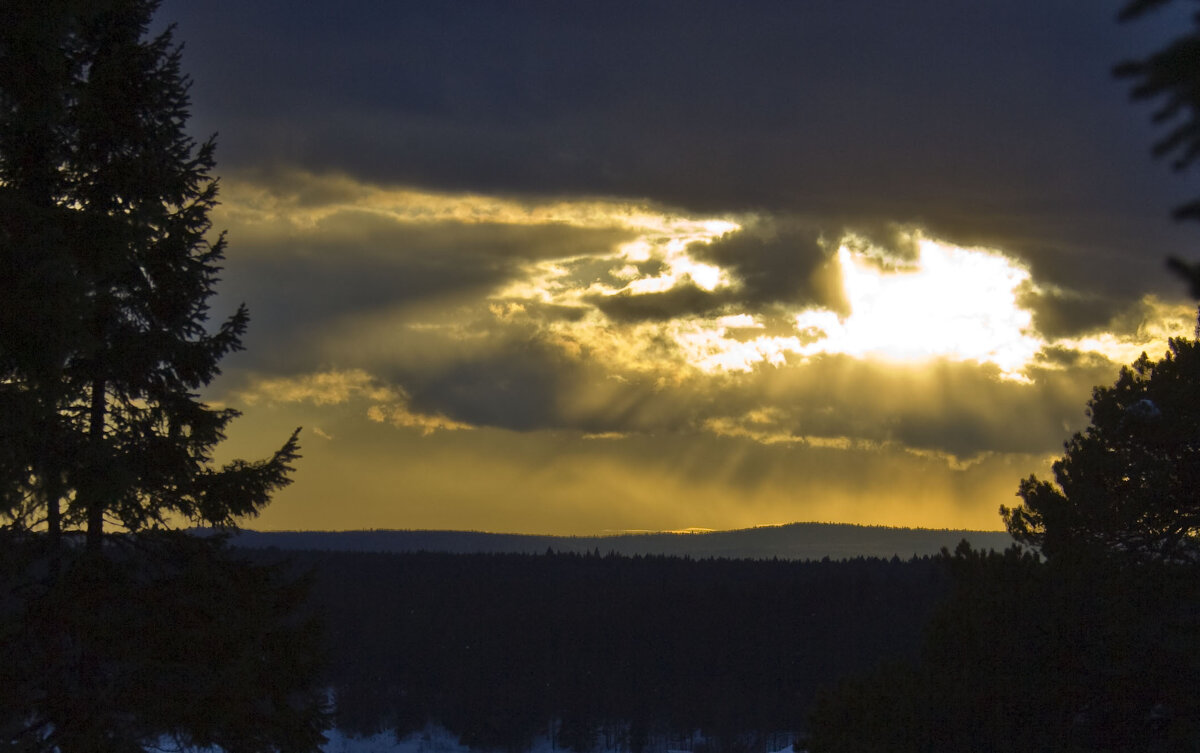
x=108, y=271
x=107, y=268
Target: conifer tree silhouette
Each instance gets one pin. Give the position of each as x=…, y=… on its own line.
x=1171, y=77
x=116, y=629
x=108, y=272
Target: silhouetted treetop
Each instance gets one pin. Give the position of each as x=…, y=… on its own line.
x=1171, y=77
x=1127, y=484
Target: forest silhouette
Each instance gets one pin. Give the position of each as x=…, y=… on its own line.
x=642, y=652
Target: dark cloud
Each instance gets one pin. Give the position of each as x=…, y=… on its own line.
x=987, y=123
x=998, y=121
x=354, y=262
x=1063, y=315
x=960, y=409
x=350, y=234
x=530, y=385
x=682, y=300
x=778, y=261
x=1055, y=357
x=955, y=409
x=514, y=390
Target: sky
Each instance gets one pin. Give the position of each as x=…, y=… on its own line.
x=589, y=267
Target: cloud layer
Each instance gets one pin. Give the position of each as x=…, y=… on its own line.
x=571, y=267
x=601, y=325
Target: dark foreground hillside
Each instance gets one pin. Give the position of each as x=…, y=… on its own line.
x=498, y=647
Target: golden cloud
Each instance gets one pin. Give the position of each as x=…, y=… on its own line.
x=389, y=403
x=921, y=361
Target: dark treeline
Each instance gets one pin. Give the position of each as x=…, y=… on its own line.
x=1026, y=654
x=1093, y=643
x=498, y=647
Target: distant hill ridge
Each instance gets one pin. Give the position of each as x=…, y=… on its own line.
x=794, y=541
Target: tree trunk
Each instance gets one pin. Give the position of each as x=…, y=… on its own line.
x=53, y=519
x=94, y=503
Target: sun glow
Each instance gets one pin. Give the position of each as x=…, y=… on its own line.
x=653, y=302
x=953, y=303
x=960, y=304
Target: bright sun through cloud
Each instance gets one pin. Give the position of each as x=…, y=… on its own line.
x=943, y=302
x=950, y=302
x=953, y=303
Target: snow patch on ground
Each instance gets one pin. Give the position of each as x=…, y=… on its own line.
x=436, y=739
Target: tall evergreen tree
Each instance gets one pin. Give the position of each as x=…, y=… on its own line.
x=106, y=273
x=42, y=296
